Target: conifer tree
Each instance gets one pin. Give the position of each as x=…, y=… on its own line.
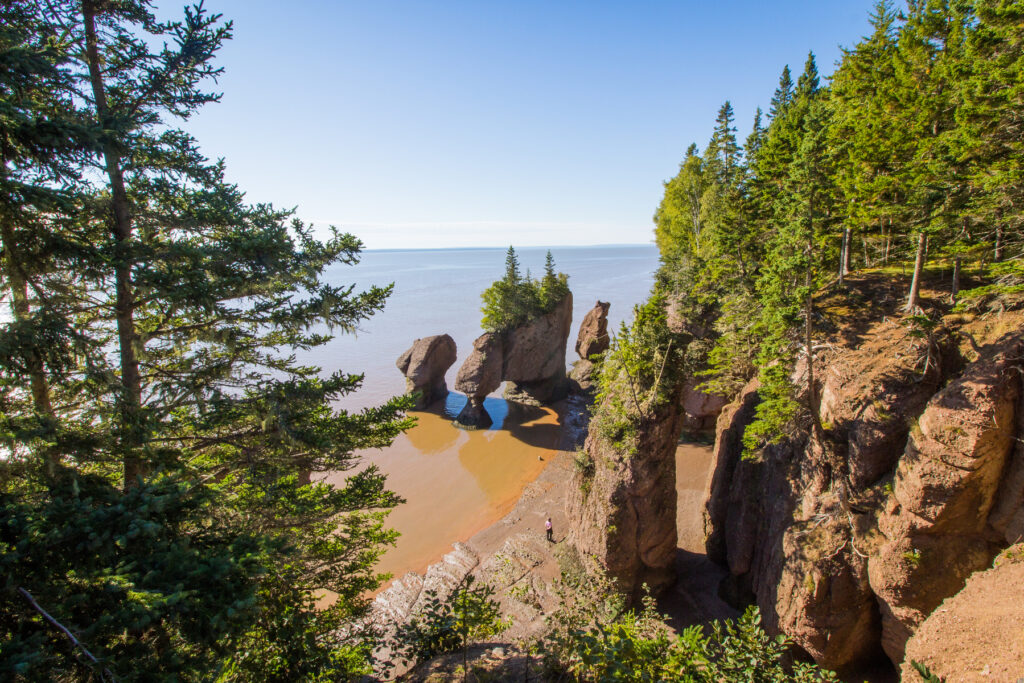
x=202, y=429
x=867, y=142
x=783, y=94
x=991, y=127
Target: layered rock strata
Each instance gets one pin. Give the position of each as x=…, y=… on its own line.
x=622, y=506
x=848, y=544
x=424, y=366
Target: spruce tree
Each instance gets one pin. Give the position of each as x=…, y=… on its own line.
x=185, y=499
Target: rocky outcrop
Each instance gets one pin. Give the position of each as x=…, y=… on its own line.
x=479, y=375
x=847, y=545
x=408, y=596
x=622, y=506
x=700, y=409
x=534, y=364
x=593, y=339
x=936, y=523
x=593, y=335
x=530, y=358
x=424, y=366
x=976, y=636
x=771, y=521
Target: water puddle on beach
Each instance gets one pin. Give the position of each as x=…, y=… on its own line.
x=457, y=482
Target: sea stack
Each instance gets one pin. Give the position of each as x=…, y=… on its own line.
x=479, y=375
x=593, y=339
x=424, y=366
x=534, y=364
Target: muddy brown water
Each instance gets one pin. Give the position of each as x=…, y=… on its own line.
x=457, y=482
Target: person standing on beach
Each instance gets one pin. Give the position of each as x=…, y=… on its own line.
x=547, y=526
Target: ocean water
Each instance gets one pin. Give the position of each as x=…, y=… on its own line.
x=438, y=292
x=457, y=482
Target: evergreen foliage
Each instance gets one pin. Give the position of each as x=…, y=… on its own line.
x=908, y=154
x=517, y=299
x=159, y=435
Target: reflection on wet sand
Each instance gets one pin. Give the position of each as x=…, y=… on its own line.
x=457, y=482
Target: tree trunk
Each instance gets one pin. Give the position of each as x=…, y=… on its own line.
x=864, y=243
x=888, y=242
x=915, y=283
x=812, y=398
x=131, y=379
x=20, y=309
x=844, y=256
x=956, y=279
x=997, y=255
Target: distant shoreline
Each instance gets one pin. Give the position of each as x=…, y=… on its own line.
x=541, y=246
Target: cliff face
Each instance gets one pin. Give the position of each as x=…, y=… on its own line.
x=534, y=364
x=848, y=545
x=622, y=508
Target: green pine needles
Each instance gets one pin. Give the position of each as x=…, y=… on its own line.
x=160, y=514
x=517, y=299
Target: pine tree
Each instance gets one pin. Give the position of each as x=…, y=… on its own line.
x=783, y=94
x=867, y=143
x=678, y=220
x=202, y=429
x=990, y=128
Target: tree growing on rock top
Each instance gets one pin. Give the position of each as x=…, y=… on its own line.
x=517, y=299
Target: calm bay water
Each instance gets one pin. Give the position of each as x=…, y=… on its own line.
x=458, y=482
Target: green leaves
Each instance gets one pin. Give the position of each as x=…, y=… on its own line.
x=468, y=613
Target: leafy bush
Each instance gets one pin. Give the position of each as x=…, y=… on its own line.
x=645, y=362
x=449, y=625
x=594, y=638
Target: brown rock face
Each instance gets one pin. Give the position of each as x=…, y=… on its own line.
x=593, y=336
x=535, y=357
x=424, y=366
x=773, y=524
x=623, y=511
x=976, y=636
x=582, y=377
x=700, y=409
x=871, y=394
x=530, y=357
x=936, y=524
x=479, y=375
x=837, y=559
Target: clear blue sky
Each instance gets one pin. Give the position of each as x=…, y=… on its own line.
x=486, y=122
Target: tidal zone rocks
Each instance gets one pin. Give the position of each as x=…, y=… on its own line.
x=847, y=546
x=530, y=358
x=424, y=366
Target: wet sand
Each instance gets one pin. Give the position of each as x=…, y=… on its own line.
x=458, y=482
x=692, y=463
